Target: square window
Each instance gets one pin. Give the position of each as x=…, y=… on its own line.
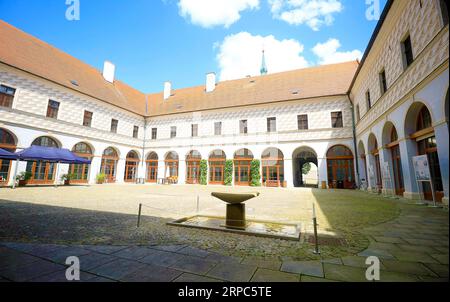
x=243, y=129
x=135, y=131
x=383, y=82
x=87, y=118
x=271, y=124
x=154, y=133
x=6, y=96
x=407, y=52
x=336, y=119
x=114, y=124
x=302, y=121
x=194, y=130
x=218, y=128
x=173, y=132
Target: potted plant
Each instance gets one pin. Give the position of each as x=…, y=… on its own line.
x=101, y=178
x=67, y=178
x=284, y=184
x=23, y=178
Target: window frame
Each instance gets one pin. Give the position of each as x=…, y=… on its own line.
x=368, y=100
x=217, y=126
x=114, y=126
x=269, y=124
x=243, y=126
x=135, y=131
x=298, y=122
x=341, y=118
x=7, y=87
x=194, y=130
x=383, y=81
x=403, y=48
x=51, y=109
x=173, y=131
x=90, y=120
x=154, y=134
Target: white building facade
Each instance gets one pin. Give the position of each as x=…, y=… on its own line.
x=351, y=120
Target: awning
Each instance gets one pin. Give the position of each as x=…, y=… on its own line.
x=7, y=155
x=54, y=155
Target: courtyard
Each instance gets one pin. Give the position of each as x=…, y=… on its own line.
x=41, y=226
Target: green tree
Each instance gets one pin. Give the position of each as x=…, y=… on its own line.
x=255, y=174
x=228, y=173
x=203, y=172
x=306, y=168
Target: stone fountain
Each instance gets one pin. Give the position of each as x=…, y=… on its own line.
x=235, y=218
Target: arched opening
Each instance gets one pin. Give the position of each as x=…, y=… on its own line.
x=8, y=143
x=242, y=164
x=217, y=160
x=305, y=167
x=80, y=173
x=152, y=167
x=272, y=167
x=392, y=143
x=109, y=164
x=419, y=126
x=193, y=167
x=131, y=166
x=171, y=162
x=42, y=173
x=375, y=163
x=363, y=165
x=341, y=173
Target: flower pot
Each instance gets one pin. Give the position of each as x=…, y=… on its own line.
x=23, y=182
x=67, y=182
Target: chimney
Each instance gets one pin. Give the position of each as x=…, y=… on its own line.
x=108, y=71
x=167, y=90
x=210, y=82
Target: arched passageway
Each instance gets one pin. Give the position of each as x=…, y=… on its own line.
x=303, y=156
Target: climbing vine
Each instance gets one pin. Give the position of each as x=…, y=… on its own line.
x=203, y=172
x=255, y=173
x=228, y=173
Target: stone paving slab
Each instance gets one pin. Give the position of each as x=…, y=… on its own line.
x=384, y=239
x=439, y=269
x=418, y=248
x=191, y=278
x=60, y=276
x=60, y=255
x=310, y=268
x=194, y=265
x=442, y=258
x=344, y=273
x=134, y=253
x=94, y=260
x=382, y=254
x=152, y=273
x=30, y=271
x=161, y=258
x=267, y=275
x=13, y=258
x=261, y=263
x=117, y=269
x=192, y=251
x=414, y=257
x=305, y=278
x=223, y=258
x=413, y=268
x=104, y=249
x=34, y=248
x=168, y=248
x=356, y=261
x=233, y=272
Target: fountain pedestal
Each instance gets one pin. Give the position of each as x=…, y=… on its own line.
x=235, y=218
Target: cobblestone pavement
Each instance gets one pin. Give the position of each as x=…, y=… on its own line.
x=412, y=247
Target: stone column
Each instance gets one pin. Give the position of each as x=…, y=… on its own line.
x=322, y=171
x=94, y=169
x=408, y=149
x=120, y=171
x=161, y=169
x=288, y=173
x=442, y=138
x=388, y=185
x=182, y=172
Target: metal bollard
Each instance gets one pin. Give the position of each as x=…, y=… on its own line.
x=316, y=239
x=139, y=215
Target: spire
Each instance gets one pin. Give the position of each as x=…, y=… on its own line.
x=263, y=64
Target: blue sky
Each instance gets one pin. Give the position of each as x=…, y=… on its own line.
x=152, y=41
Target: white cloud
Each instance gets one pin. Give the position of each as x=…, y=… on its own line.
x=328, y=54
x=314, y=13
x=210, y=13
x=240, y=55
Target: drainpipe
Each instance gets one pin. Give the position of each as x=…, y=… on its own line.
x=355, y=145
x=145, y=137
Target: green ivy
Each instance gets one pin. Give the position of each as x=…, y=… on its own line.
x=203, y=172
x=255, y=173
x=228, y=173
